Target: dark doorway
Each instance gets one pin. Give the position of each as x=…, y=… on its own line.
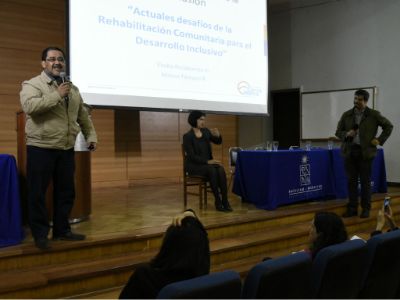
x=286, y=117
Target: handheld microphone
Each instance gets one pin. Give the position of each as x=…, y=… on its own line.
x=63, y=77
x=350, y=138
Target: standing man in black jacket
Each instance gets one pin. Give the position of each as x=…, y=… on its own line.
x=357, y=130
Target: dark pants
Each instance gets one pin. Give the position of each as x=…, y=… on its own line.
x=215, y=174
x=357, y=167
x=43, y=165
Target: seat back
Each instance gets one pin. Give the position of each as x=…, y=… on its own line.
x=383, y=266
x=233, y=154
x=338, y=270
x=221, y=285
x=183, y=161
x=285, y=277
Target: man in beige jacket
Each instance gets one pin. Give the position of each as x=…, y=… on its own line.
x=54, y=116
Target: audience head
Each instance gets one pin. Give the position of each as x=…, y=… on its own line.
x=185, y=249
x=327, y=229
x=194, y=116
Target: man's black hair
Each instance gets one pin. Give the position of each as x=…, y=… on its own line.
x=362, y=93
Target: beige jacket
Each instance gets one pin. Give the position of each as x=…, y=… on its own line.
x=49, y=123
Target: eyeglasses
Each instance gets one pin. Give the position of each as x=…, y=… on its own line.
x=53, y=59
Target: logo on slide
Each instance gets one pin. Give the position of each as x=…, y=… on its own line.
x=305, y=171
x=245, y=88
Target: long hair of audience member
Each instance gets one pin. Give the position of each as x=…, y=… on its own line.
x=330, y=230
x=185, y=249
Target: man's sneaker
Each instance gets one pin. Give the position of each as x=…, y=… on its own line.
x=364, y=214
x=349, y=213
x=69, y=236
x=42, y=244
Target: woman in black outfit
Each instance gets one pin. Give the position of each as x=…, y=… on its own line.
x=199, y=159
x=184, y=254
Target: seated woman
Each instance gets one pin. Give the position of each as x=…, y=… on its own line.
x=326, y=229
x=199, y=159
x=184, y=254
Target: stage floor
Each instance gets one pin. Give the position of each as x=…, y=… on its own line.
x=124, y=210
x=118, y=211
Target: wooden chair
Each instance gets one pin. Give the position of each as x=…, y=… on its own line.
x=193, y=180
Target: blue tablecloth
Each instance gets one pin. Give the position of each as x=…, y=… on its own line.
x=272, y=178
x=378, y=175
x=11, y=232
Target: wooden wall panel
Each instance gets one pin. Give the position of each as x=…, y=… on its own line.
x=29, y=26
x=134, y=147
x=107, y=164
x=8, y=135
x=156, y=126
x=159, y=160
x=16, y=66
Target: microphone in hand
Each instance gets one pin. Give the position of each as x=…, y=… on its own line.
x=64, y=79
x=350, y=138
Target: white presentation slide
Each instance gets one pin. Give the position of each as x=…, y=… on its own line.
x=171, y=54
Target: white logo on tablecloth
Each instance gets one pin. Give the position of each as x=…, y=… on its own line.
x=305, y=180
x=305, y=171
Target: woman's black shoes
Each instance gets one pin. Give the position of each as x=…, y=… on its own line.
x=223, y=207
x=227, y=207
x=219, y=207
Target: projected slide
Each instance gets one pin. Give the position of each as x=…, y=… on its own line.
x=171, y=54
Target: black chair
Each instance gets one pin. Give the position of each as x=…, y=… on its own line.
x=221, y=285
x=193, y=180
x=285, y=277
x=383, y=266
x=233, y=154
x=338, y=270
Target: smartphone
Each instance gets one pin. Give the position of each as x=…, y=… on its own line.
x=386, y=204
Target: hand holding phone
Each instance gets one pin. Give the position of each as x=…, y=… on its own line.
x=386, y=204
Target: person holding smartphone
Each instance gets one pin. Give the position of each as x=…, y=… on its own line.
x=385, y=216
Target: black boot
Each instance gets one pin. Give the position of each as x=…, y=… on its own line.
x=218, y=205
x=350, y=212
x=227, y=206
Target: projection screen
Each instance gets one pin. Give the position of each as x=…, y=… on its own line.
x=171, y=54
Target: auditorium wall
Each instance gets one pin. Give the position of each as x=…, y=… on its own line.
x=337, y=45
x=134, y=147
